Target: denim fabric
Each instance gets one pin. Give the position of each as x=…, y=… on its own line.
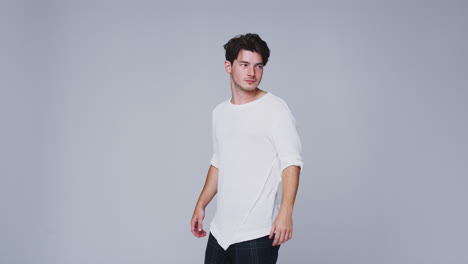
x=256, y=251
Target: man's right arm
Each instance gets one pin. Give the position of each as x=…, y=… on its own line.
x=209, y=191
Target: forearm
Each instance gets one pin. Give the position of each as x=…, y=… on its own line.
x=209, y=189
x=282, y=227
x=290, y=185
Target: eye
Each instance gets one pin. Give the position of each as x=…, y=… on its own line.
x=243, y=64
x=260, y=66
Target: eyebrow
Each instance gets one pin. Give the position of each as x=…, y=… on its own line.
x=260, y=63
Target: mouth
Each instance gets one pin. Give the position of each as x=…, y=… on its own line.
x=250, y=81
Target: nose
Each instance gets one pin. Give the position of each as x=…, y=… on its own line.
x=251, y=71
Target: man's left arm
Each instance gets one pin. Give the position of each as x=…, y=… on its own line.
x=282, y=227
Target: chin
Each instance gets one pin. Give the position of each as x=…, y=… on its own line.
x=251, y=88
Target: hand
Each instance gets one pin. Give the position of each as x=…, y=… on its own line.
x=197, y=222
x=281, y=228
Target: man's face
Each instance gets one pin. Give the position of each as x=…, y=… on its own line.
x=246, y=71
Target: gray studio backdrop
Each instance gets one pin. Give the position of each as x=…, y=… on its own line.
x=106, y=138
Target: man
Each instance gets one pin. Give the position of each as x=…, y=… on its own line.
x=255, y=147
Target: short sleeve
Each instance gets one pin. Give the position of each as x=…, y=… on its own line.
x=286, y=139
x=215, y=156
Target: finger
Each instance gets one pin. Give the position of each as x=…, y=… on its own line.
x=277, y=239
x=200, y=225
x=281, y=237
x=193, y=224
x=287, y=236
x=195, y=233
x=284, y=237
x=195, y=229
x=272, y=232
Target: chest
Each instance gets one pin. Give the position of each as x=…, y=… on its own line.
x=249, y=127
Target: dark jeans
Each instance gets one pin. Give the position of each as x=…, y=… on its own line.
x=256, y=251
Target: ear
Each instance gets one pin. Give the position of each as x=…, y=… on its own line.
x=227, y=66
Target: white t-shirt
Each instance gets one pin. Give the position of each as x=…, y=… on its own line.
x=252, y=144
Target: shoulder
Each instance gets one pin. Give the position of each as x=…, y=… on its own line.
x=280, y=110
x=277, y=103
x=219, y=107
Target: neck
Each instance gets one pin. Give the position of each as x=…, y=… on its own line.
x=242, y=96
